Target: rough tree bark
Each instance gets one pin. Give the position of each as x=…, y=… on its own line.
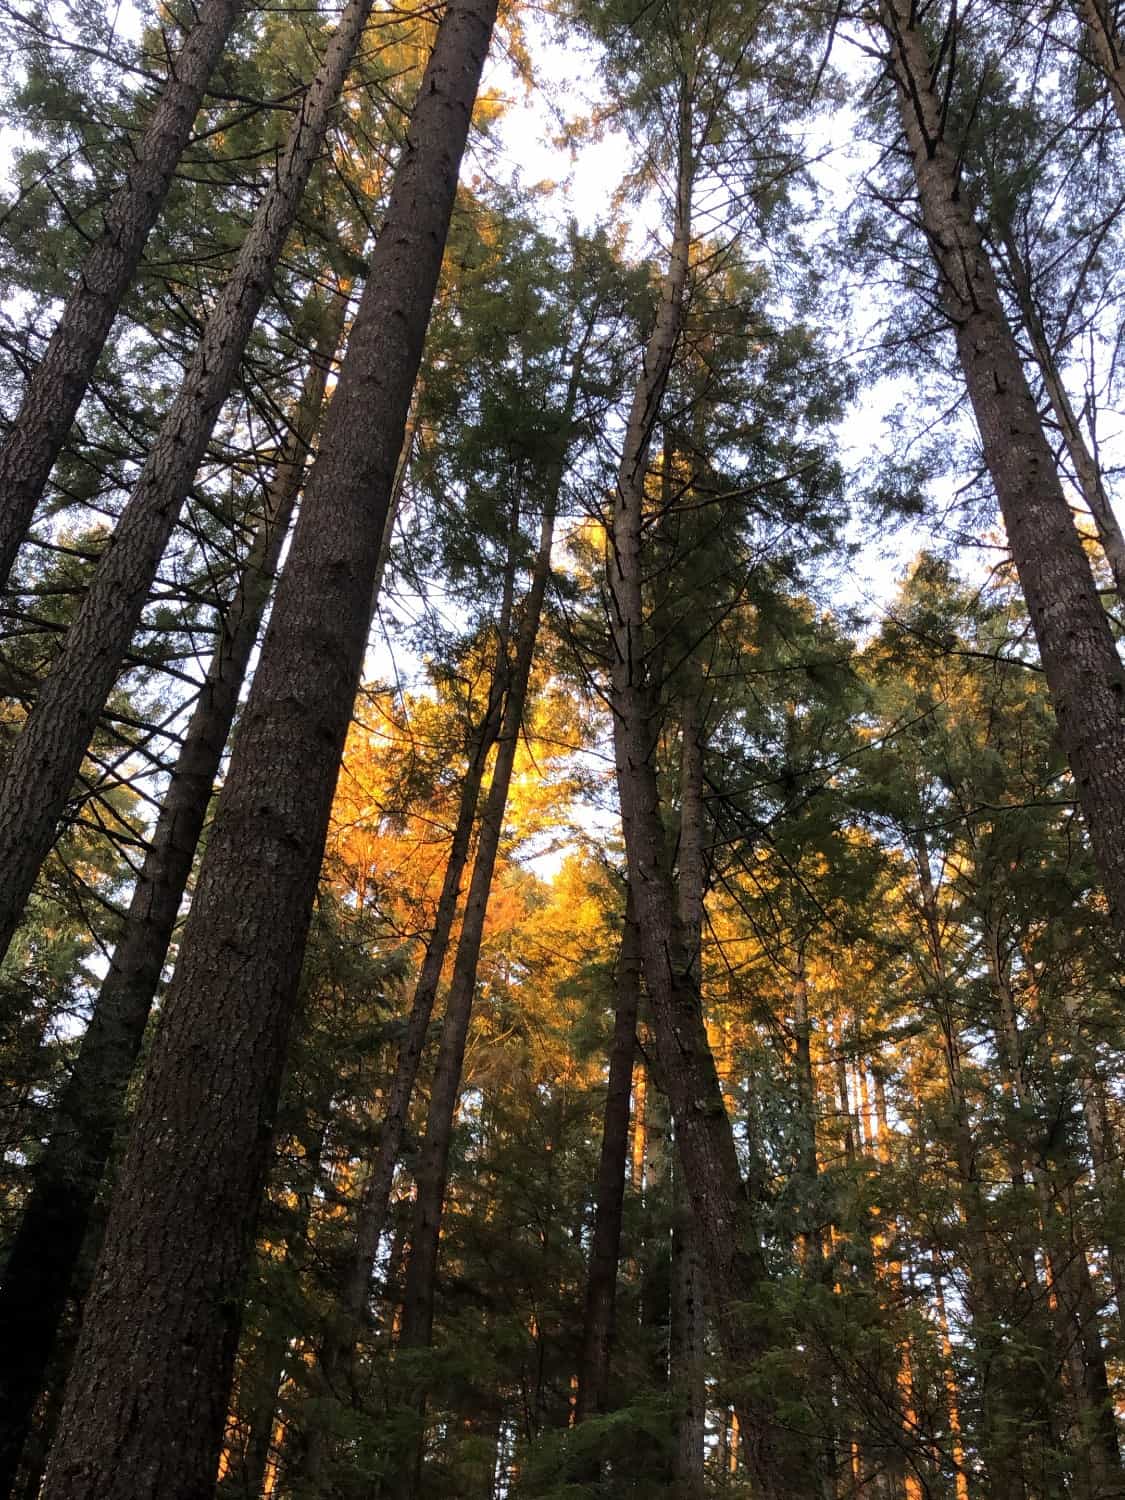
x=65, y=1180
x=146, y=1405
x=1083, y=669
x=55, y=389
x=1098, y=19
x=1086, y=469
x=48, y=753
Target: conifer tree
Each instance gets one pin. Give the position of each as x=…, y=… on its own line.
x=49, y=752
x=175, y=1196
x=41, y=1262
x=1075, y=641
x=55, y=390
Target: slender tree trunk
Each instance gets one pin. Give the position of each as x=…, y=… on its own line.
x=656, y=1242
x=1076, y=1326
x=262, y=1374
x=811, y=1240
x=689, y=1321
x=1002, y=1427
x=146, y=1405
x=1082, y=461
x=952, y=1395
x=1098, y=19
x=1084, y=672
x=433, y=1165
x=337, y=1355
x=55, y=389
x=811, y=1248
x=65, y=1182
x=1106, y=1161
x=605, y=1247
x=687, y=1068
x=49, y=751
x=688, y=1349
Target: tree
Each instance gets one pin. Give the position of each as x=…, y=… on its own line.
x=41, y=1262
x=1075, y=641
x=49, y=752
x=272, y=819
x=56, y=389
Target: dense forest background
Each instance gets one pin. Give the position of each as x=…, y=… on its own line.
x=562, y=832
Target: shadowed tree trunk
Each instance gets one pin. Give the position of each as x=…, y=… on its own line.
x=55, y=389
x=336, y=1357
x=705, y=1140
x=1084, y=672
x=1082, y=461
x=49, y=751
x=605, y=1246
x=433, y=1164
x=65, y=1180
x=689, y=1320
x=147, y=1403
x=1004, y=1402
x=1077, y=1334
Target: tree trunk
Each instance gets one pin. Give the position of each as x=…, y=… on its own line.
x=1107, y=49
x=1105, y=1158
x=336, y=1357
x=1078, y=1337
x=433, y=1165
x=687, y=1344
x=52, y=1230
x=952, y=1395
x=1082, y=461
x=705, y=1141
x=1084, y=672
x=688, y=1332
x=55, y=390
x=1003, y=1435
x=146, y=1406
x=47, y=756
x=605, y=1246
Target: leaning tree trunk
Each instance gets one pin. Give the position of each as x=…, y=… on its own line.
x=1084, y=672
x=146, y=1405
x=1098, y=19
x=48, y=753
x=66, y=1178
x=433, y=1163
x=1086, y=468
x=55, y=390
x=705, y=1140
